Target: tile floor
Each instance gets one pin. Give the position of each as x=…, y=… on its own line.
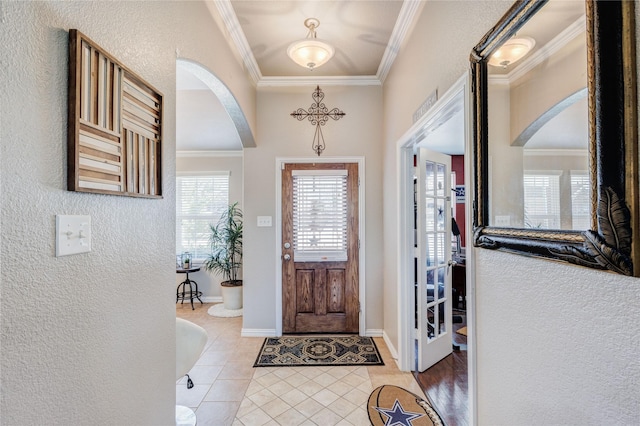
x=229, y=391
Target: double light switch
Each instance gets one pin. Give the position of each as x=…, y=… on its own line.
x=73, y=234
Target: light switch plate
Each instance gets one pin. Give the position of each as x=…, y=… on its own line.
x=264, y=221
x=73, y=234
x=502, y=221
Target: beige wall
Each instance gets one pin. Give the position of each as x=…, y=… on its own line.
x=209, y=282
x=515, y=106
x=547, y=84
x=435, y=57
x=506, y=188
x=280, y=135
x=556, y=344
x=89, y=339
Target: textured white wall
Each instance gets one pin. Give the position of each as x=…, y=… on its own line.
x=557, y=344
x=280, y=135
x=434, y=57
x=89, y=339
x=208, y=282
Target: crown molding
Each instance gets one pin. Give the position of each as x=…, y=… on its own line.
x=366, y=80
x=232, y=24
x=557, y=43
x=404, y=22
x=554, y=152
x=200, y=154
x=499, y=79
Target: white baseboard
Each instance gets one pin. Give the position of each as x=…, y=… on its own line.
x=266, y=332
x=212, y=299
x=392, y=349
x=258, y=332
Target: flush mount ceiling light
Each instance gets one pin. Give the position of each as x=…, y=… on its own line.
x=511, y=51
x=310, y=52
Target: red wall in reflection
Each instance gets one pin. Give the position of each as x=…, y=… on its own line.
x=457, y=165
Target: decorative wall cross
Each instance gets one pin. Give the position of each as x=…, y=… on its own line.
x=318, y=114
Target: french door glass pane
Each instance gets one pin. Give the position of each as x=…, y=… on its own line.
x=440, y=180
x=431, y=324
x=440, y=211
x=440, y=237
x=431, y=250
x=442, y=322
x=430, y=215
x=431, y=281
x=430, y=178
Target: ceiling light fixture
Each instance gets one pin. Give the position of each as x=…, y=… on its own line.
x=511, y=51
x=310, y=52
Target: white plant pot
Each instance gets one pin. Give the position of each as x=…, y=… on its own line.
x=232, y=297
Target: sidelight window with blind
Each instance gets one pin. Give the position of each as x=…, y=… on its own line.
x=319, y=215
x=200, y=201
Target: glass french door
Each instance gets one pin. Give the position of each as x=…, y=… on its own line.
x=434, y=304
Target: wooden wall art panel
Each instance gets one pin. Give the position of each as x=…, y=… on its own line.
x=115, y=125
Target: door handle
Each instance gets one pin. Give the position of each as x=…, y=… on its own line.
x=287, y=245
x=286, y=257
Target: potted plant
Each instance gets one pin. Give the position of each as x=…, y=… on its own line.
x=226, y=255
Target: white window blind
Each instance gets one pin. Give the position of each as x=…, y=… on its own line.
x=580, y=200
x=200, y=200
x=542, y=200
x=319, y=215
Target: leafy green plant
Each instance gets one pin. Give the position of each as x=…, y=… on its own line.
x=226, y=246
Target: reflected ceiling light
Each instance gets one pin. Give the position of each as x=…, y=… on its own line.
x=511, y=51
x=310, y=52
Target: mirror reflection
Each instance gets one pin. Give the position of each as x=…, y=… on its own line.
x=538, y=123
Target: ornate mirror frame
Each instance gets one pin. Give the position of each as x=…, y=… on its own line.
x=612, y=242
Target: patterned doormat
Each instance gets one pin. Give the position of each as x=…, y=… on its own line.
x=299, y=351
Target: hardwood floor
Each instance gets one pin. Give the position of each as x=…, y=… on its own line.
x=446, y=384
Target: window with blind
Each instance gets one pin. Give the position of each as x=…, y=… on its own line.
x=542, y=200
x=319, y=215
x=200, y=201
x=580, y=196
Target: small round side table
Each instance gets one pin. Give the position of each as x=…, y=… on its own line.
x=181, y=291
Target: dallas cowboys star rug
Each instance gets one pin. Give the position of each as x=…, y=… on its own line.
x=393, y=405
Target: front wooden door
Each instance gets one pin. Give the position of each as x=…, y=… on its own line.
x=320, y=247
